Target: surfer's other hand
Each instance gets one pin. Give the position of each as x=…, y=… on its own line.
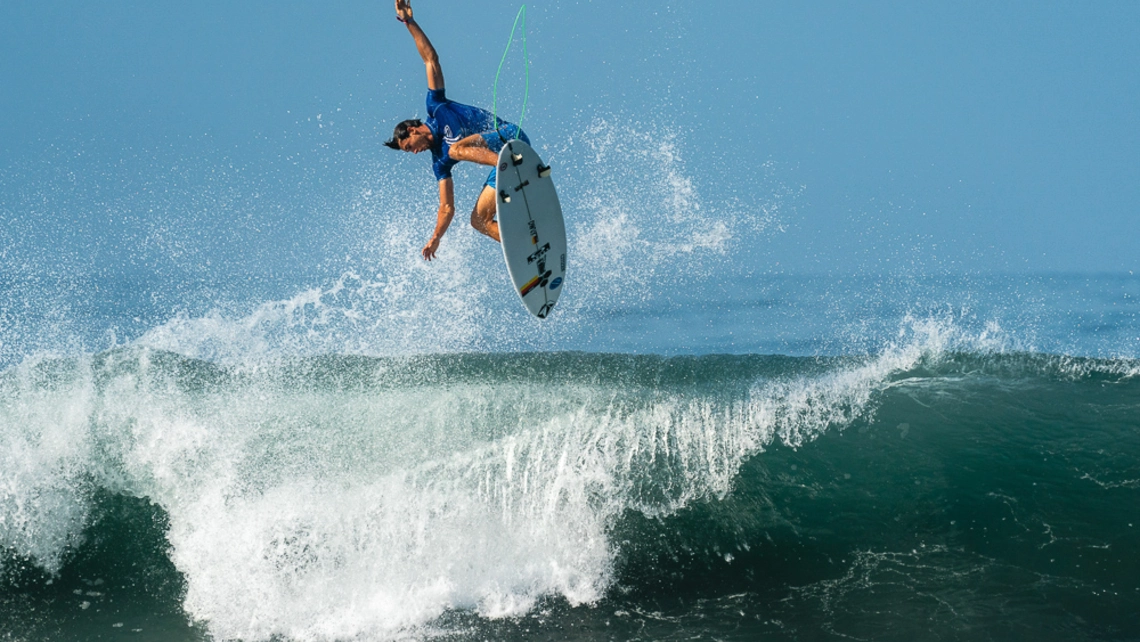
x=404, y=10
x=430, y=248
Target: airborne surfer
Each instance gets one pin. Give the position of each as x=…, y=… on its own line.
x=452, y=132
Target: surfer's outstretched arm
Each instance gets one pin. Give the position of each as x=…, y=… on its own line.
x=443, y=217
x=423, y=45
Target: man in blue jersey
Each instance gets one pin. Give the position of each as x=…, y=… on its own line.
x=453, y=132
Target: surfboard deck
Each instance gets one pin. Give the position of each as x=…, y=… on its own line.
x=531, y=228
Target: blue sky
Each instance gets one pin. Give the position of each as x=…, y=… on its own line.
x=966, y=136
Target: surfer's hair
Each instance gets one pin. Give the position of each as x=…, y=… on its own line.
x=401, y=132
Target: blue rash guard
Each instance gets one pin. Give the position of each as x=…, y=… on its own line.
x=450, y=122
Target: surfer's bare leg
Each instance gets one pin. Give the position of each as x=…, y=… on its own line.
x=474, y=149
x=483, y=216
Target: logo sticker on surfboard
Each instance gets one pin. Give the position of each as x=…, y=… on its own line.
x=530, y=285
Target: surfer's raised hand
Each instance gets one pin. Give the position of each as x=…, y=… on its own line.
x=403, y=10
x=423, y=45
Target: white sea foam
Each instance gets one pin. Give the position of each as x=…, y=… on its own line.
x=45, y=452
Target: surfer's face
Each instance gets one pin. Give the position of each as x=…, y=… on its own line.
x=417, y=140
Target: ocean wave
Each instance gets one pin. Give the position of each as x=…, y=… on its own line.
x=321, y=497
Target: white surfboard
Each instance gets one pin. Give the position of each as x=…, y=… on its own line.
x=531, y=227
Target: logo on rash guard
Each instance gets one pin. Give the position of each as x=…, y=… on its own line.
x=448, y=137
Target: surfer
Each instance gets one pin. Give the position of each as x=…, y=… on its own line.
x=453, y=132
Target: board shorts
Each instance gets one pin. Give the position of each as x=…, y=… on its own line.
x=495, y=141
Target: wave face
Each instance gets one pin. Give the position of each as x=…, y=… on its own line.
x=929, y=491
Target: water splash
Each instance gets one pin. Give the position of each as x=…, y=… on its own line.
x=635, y=235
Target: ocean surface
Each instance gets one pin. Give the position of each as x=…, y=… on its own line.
x=696, y=444
x=706, y=467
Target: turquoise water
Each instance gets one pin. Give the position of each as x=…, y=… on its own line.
x=930, y=490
